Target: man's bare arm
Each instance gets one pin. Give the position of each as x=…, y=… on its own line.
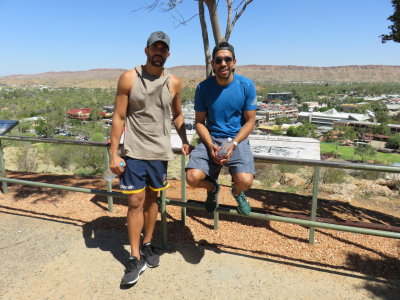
x=201, y=129
x=118, y=120
x=177, y=114
x=204, y=134
x=248, y=127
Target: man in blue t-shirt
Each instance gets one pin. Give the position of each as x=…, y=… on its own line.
x=225, y=106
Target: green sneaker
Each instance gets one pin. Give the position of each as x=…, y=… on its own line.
x=244, y=207
x=212, y=199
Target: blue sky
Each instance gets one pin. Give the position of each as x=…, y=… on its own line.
x=73, y=35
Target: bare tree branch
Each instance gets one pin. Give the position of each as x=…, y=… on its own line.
x=212, y=5
x=228, y=19
x=182, y=20
x=149, y=7
x=237, y=16
x=213, y=12
x=206, y=42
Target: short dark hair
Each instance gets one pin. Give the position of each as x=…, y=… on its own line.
x=223, y=46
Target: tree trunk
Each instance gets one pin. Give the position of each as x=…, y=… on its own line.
x=206, y=42
x=212, y=6
x=213, y=12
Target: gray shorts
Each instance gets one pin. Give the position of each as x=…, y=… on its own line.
x=241, y=161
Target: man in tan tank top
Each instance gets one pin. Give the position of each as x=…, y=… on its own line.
x=146, y=96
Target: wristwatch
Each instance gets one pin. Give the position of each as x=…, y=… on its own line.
x=235, y=143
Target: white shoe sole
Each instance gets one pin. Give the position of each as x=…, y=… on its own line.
x=140, y=273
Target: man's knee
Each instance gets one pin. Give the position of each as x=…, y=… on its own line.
x=194, y=177
x=243, y=181
x=135, y=202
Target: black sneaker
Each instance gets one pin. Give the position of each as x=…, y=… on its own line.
x=134, y=268
x=151, y=258
x=212, y=199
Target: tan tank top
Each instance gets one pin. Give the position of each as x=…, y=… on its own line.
x=148, y=119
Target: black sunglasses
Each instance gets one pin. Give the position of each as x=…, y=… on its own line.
x=227, y=59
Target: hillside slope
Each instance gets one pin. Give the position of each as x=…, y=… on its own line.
x=107, y=78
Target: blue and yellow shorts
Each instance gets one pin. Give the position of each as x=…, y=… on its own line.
x=140, y=174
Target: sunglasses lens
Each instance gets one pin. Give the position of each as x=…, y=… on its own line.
x=227, y=59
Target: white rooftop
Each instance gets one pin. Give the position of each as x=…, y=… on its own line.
x=334, y=114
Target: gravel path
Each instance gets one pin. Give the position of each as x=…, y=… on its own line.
x=47, y=259
x=64, y=245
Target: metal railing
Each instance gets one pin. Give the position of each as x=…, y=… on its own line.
x=312, y=223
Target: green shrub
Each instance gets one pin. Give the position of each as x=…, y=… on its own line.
x=288, y=168
x=393, y=142
x=61, y=155
x=89, y=159
x=332, y=175
x=369, y=175
x=267, y=174
x=85, y=171
x=27, y=157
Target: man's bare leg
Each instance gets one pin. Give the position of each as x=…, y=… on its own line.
x=242, y=182
x=196, y=178
x=135, y=221
x=150, y=214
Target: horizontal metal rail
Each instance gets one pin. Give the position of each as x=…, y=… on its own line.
x=223, y=208
x=231, y=210
x=52, y=141
x=257, y=157
x=327, y=164
x=64, y=187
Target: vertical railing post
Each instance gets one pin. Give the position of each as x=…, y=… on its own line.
x=3, y=169
x=183, y=188
x=110, y=199
x=216, y=217
x=164, y=219
x=314, y=204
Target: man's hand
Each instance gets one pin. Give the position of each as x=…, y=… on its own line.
x=223, y=160
x=186, y=149
x=214, y=149
x=117, y=165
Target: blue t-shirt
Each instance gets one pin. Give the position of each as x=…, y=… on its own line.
x=225, y=104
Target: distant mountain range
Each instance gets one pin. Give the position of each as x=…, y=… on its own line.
x=191, y=75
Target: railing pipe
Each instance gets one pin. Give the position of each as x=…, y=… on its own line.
x=257, y=157
x=216, y=218
x=53, y=141
x=314, y=204
x=222, y=209
x=64, y=187
x=110, y=200
x=164, y=233
x=3, y=169
x=255, y=215
x=183, y=188
x=322, y=163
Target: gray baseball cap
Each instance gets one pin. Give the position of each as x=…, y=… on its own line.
x=223, y=46
x=158, y=36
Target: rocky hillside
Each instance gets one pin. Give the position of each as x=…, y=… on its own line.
x=106, y=78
